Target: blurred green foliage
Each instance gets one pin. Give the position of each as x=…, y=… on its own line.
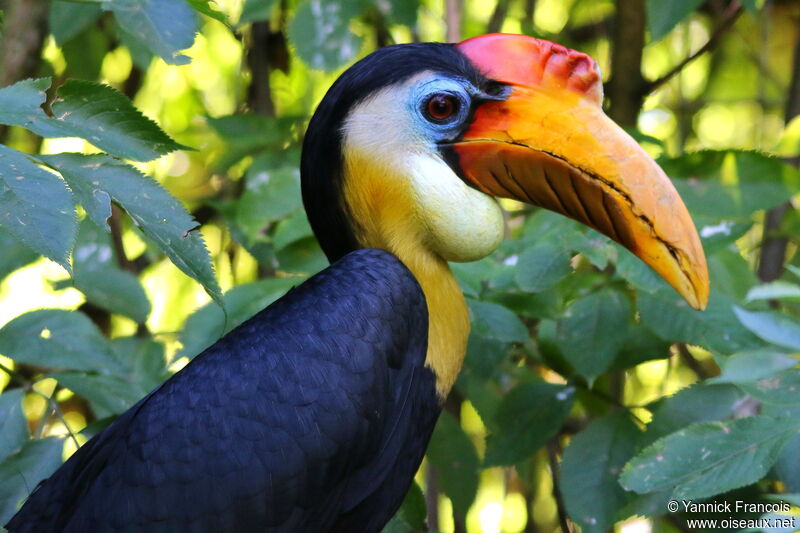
x=591, y=393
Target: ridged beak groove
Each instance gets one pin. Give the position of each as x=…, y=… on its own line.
x=550, y=144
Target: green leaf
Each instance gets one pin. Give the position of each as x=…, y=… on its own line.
x=663, y=15
x=15, y=254
x=106, y=118
x=36, y=207
x=778, y=390
x=590, y=467
x=455, y=458
x=787, y=467
x=108, y=395
x=207, y=325
x=542, y=266
x=269, y=196
x=13, y=425
x=144, y=361
x=771, y=326
x=85, y=53
x=255, y=134
x=165, y=27
x=716, y=328
x=21, y=472
x=20, y=104
x=158, y=214
x=747, y=367
x=57, y=338
x=710, y=458
x=92, y=111
x=777, y=290
x=402, y=12
x=410, y=518
x=292, y=229
x=321, y=35
x=698, y=403
x=256, y=10
x=210, y=9
x=68, y=19
x=101, y=280
x=585, y=334
x=527, y=417
x=636, y=272
x=494, y=321
x=640, y=345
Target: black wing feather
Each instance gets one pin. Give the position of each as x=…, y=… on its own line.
x=311, y=416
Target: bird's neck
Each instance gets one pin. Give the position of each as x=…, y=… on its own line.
x=383, y=212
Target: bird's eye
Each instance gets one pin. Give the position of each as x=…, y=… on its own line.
x=440, y=107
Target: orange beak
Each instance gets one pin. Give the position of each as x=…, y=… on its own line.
x=550, y=144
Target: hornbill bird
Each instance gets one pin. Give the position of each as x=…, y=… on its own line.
x=314, y=415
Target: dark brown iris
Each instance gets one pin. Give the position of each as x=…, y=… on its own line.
x=440, y=107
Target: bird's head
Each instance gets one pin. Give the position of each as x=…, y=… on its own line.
x=411, y=144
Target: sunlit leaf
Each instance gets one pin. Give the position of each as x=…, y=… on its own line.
x=36, y=207
x=158, y=214
x=710, y=458
x=456, y=461
x=21, y=472
x=164, y=26
x=210, y=9
x=527, y=417
x=584, y=335
x=57, y=338
x=13, y=424
x=321, y=35
x=590, y=467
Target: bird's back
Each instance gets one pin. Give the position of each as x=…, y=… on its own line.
x=311, y=416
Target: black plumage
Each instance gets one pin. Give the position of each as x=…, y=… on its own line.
x=298, y=420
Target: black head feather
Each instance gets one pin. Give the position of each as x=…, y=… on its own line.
x=322, y=165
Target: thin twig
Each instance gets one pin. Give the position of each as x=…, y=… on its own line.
x=59, y=414
x=552, y=457
x=728, y=18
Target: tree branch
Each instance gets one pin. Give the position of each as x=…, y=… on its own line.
x=627, y=42
x=498, y=17
x=773, y=247
x=453, y=10
x=730, y=15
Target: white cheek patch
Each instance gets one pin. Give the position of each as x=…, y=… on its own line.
x=456, y=221
x=463, y=224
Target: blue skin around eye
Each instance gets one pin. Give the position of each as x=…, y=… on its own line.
x=419, y=94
